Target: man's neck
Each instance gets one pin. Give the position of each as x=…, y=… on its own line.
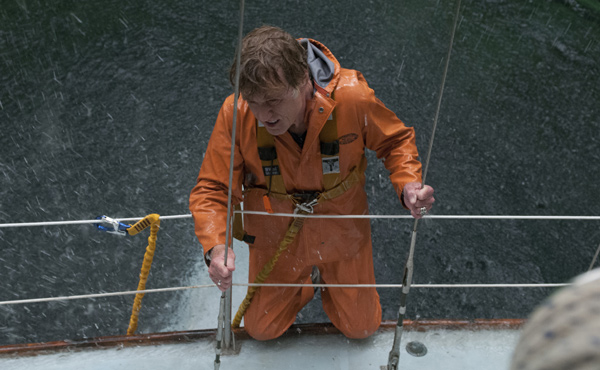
x=299, y=139
x=301, y=125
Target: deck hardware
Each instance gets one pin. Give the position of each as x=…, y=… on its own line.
x=112, y=226
x=416, y=349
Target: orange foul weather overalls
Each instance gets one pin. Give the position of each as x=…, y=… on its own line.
x=340, y=248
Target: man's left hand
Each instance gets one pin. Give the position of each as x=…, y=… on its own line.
x=415, y=198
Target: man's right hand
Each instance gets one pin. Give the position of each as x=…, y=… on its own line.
x=218, y=272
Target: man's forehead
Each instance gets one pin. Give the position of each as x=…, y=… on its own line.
x=271, y=94
x=273, y=88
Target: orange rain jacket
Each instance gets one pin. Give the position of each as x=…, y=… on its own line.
x=362, y=122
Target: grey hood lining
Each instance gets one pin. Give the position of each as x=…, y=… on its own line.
x=320, y=67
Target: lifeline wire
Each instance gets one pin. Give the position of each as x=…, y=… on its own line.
x=444, y=217
x=438, y=217
x=394, y=355
x=173, y=289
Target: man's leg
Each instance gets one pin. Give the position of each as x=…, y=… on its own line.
x=273, y=309
x=356, y=312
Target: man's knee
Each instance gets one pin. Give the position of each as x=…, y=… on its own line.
x=360, y=330
x=264, y=330
x=268, y=317
x=357, y=319
x=269, y=323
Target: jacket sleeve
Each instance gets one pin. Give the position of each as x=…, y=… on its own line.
x=208, y=199
x=387, y=135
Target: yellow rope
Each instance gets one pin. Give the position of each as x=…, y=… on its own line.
x=152, y=220
x=291, y=233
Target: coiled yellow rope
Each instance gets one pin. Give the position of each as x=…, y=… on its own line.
x=152, y=220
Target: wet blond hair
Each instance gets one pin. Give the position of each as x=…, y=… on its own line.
x=266, y=51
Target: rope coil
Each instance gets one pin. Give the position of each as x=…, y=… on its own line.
x=291, y=233
x=152, y=220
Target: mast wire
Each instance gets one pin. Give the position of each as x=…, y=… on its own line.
x=394, y=355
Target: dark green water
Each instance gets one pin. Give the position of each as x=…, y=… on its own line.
x=106, y=108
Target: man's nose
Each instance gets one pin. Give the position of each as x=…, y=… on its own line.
x=263, y=114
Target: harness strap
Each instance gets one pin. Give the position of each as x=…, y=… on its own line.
x=352, y=179
x=238, y=227
x=330, y=150
x=268, y=158
x=302, y=208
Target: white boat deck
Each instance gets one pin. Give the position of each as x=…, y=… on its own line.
x=446, y=349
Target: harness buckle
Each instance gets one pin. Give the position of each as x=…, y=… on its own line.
x=306, y=207
x=112, y=226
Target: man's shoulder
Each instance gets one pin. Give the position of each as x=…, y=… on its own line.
x=351, y=85
x=228, y=104
x=350, y=75
x=229, y=101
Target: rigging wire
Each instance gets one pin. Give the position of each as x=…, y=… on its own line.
x=224, y=333
x=394, y=355
x=594, y=259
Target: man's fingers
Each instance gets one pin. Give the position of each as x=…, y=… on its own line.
x=416, y=214
x=218, y=271
x=425, y=203
x=222, y=285
x=220, y=274
x=415, y=198
x=230, y=260
x=223, y=281
x=410, y=193
x=424, y=197
x=414, y=192
x=425, y=193
x=223, y=272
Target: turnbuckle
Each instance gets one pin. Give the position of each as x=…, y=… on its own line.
x=112, y=226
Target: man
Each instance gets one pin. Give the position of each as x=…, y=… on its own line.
x=303, y=124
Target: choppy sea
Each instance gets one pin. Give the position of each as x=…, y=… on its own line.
x=106, y=108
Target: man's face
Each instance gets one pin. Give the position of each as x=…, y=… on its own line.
x=279, y=111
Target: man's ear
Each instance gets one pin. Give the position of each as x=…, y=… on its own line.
x=306, y=77
x=305, y=82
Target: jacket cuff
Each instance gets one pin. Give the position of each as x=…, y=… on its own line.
x=402, y=199
x=207, y=257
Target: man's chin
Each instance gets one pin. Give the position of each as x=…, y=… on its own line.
x=275, y=130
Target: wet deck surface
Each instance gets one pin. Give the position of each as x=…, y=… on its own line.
x=447, y=349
